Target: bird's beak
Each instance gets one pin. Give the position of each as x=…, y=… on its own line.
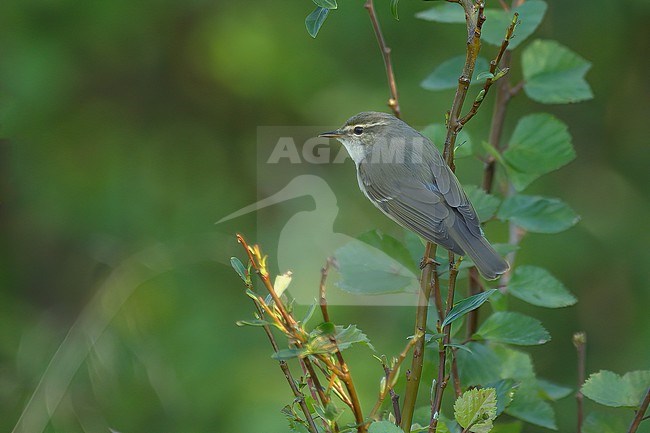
x=332, y=134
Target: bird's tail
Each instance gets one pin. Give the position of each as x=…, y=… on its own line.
x=489, y=263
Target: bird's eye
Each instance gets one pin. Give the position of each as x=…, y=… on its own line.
x=358, y=130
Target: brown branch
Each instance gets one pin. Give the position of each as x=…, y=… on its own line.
x=391, y=377
x=580, y=343
x=342, y=371
x=473, y=47
x=493, y=70
x=345, y=376
x=393, y=101
x=393, y=396
x=441, y=382
x=640, y=412
x=321, y=290
x=300, y=398
x=455, y=376
x=413, y=376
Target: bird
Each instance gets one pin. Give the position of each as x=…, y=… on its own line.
x=404, y=175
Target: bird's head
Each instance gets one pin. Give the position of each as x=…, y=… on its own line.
x=361, y=132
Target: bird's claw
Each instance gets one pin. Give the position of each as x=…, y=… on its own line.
x=428, y=261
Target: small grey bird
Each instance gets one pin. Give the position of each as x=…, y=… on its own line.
x=404, y=175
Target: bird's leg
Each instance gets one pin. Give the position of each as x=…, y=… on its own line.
x=428, y=261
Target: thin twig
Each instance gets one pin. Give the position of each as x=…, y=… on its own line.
x=474, y=289
x=393, y=101
x=413, y=376
x=493, y=70
x=342, y=370
x=393, y=372
x=346, y=377
x=442, y=380
x=580, y=343
x=640, y=412
x=473, y=47
x=321, y=290
x=394, y=398
x=300, y=398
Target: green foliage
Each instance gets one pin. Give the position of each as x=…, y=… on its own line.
x=513, y=328
x=485, y=204
x=538, y=214
x=554, y=74
x=445, y=76
x=553, y=391
x=466, y=305
x=384, y=427
x=610, y=389
x=393, y=9
x=598, y=422
x=367, y=270
x=443, y=12
x=531, y=14
x=240, y=269
x=475, y=409
x=315, y=20
x=537, y=286
x=327, y=4
x=437, y=133
x=505, y=390
x=540, y=144
x=508, y=427
x=529, y=406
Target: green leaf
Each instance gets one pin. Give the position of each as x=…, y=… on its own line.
x=315, y=20
x=239, y=268
x=254, y=322
x=466, y=305
x=445, y=76
x=393, y=247
x=538, y=214
x=553, y=74
x=538, y=287
x=540, y=144
x=530, y=407
x=459, y=346
x=366, y=270
x=346, y=337
x=485, y=204
x=443, y=12
x=598, y=422
x=327, y=4
x=384, y=427
x=513, y=328
x=514, y=364
x=610, y=389
x=437, y=132
x=480, y=366
x=531, y=14
x=286, y=354
x=505, y=390
x=393, y=9
x=508, y=427
x=476, y=409
x=553, y=391
x=415, y=246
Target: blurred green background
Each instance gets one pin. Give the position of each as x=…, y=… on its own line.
x=129, y=128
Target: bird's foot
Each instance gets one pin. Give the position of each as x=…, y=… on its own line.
x=428, y=261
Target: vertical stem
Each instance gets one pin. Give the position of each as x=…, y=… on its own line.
x=393, y=101
x=414, y=374
x=442, y=380
x=640, y=412
x=580, y=342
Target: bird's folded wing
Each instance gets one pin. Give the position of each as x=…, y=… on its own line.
x=453, y=193
x=414, y=205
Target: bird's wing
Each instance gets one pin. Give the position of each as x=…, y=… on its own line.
x=453, y=193
x=412, y=204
